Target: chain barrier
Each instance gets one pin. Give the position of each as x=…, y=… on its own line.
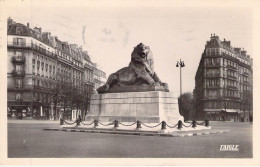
x=127, y=125
x=69, y=123
x=171, y=126
x=107, y=124
x=87, y=124
x=202, y=123
x=151, y=126
x=187, y=126
x=179, y=124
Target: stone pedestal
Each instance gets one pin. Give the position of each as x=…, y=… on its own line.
x=148, y=107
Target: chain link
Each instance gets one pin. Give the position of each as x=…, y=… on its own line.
x=69, y=123
x=202, y=123
x=171, y=126
x=127, y=125
x=151, y=126
x=107, y=124
x=87, y=124
x=187, y=125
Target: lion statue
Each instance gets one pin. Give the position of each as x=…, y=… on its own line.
x=139, y=72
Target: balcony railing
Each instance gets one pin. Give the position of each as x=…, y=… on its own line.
x=231, y=97
x=19, y=44
x=42, y=50
x=213, y=86
x=18, y=73
x=18, y=59
x=246, y=73
x=233, y=77
x=232, y=67
x=31, y=45
x=246, y=82
x=232, y=87
x=212, y=75
x=212, y=64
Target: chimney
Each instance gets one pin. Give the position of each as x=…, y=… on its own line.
x=39, y=30
x=28, y=25
x=243, y=52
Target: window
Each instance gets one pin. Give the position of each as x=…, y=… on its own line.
x=18, y=68
x=18, y=83
x=19, y=41
x=33, y=81
x=18, y=55
x=19, y=30
x=18, y=97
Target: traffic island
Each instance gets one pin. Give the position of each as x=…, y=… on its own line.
x=139, y=128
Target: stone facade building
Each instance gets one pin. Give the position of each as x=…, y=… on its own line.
x=37, y=62
x=224, y=83
x=99, y=77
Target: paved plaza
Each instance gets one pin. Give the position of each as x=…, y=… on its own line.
x=28, y=139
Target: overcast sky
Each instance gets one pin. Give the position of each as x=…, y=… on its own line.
x=110, y=33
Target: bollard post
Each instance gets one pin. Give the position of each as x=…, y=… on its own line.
x=194, y=124
x=206, y=122
x=61, y=121
x=138, y=125
x=116, y=124
x=163, y=125
x=95, y=123
x=78, y=122
x=180, y=124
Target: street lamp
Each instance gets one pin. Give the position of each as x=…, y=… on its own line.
x=180, y=64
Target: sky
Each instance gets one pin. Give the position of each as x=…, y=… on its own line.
x=110, y=32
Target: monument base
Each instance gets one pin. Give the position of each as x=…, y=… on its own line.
x=136, y=88
x=147, y=107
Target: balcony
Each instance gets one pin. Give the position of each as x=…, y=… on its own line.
x=212, y=64
x=246, y=82
x=213, y=86
x=213, y=75
x=42, y=50
x=232, y=77
x=19, y=73
x=232, y=87
x=231, y=67
x=18, y=59
x=19, y=44
x=230, y=98
x=246, y=73
x=32, y=46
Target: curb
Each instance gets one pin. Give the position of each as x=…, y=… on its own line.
x=143, y=133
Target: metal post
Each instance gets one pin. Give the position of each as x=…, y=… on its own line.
x=138, y=125
x=163, y=125
x=194, y=124
x=95, y=123
x=61, y=121
x=180, y=124
x=180, y=79
x=116, y=124
x=206, y=123
x=180, y=64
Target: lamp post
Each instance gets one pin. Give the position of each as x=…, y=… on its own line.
x=180, y=64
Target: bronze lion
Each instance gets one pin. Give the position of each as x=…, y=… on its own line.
x=139, y=72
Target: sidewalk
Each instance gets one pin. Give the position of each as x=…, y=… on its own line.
x=33, y=121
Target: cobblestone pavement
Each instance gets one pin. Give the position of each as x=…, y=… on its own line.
x=28, y=139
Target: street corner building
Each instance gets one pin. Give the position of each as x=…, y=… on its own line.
x=224, y=83
x=44, y=71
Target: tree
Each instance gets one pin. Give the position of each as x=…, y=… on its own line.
x=186, y=105
x=248, y=103
x=57, y=96
x=77, y=99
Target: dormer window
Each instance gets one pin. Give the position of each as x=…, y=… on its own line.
x=19, y=30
